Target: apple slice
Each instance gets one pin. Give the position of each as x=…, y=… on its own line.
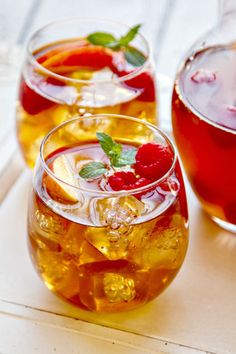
x=62, y=167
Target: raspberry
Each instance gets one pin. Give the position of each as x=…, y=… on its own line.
x=153, y=161
x=126, y=181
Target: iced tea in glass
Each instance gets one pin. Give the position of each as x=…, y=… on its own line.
x=68, y=71
x=107, y=238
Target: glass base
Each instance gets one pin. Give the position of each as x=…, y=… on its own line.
x=224, y=224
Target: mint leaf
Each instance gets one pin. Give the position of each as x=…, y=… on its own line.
x=113, y=150
x=108, y=40
x=92, y=170
x=134, y=56
x=101, y=38
x=113, y=45
x=126, y=39
x=110, y=147
x=126, y=158
x=106, y=142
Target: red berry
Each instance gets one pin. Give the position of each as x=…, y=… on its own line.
x=120, y=180
x=153, y=161
x=126, y=181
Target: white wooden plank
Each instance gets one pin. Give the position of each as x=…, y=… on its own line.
x=187, y=21
x=197, y=310
x=19, y=336
x=85, y=337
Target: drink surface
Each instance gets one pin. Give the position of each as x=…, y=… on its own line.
x=204, y=124
x=51, y=93
x=208, y=84
x=104, y=253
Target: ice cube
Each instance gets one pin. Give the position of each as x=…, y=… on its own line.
x=118, y=288
x=203, y=76
x=231, y=108
x=137, y=109
x=48, y=224
x=117, y=215
x=119, y=211
x=109, y=285
x=72, y=240
x=102, y=94
x=59, y=272
x=166, y=248
x=89, y=254
x=110, y=244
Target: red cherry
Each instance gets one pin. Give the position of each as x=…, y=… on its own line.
x=153, y=161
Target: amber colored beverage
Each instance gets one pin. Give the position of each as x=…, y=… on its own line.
x=71, y=76
x=102, y=250
x=204, y=123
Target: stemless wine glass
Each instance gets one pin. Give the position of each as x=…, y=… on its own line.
x=100, y=249
x=204, y=118
x=64, y=74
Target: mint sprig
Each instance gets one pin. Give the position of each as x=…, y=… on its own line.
x=132, y=55
x=113, y=150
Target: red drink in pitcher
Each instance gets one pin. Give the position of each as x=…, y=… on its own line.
x=204, y=124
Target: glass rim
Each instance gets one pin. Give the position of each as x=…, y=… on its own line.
x=109, y=193
x=138, y=70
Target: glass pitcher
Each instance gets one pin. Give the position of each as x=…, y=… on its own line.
x=204, y=117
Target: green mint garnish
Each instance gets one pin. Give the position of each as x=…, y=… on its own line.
x=113, y=150
x=126, y=158
x=130, y=35
x=101, y=38
x=132, y=55
x=110, y=147
x=92, y=170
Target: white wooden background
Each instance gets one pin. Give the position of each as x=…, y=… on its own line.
x=197, y=314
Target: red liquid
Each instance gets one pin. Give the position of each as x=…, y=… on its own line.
x=204, y=124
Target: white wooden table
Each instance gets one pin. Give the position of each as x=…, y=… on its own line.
x=197, y=313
